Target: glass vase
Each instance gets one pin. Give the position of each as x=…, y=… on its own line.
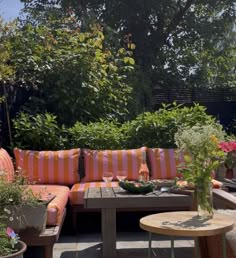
x=204, y=201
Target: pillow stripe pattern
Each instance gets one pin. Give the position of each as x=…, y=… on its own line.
x=163, y=163
x=99, y=161
x=6, y=164
x=49, y=167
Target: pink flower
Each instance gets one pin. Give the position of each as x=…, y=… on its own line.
x=13, y=237
x=10, y=232
x=230, y=149
x=228, y=146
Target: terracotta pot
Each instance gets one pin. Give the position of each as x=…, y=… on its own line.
x=21, y=246
x=229, y=173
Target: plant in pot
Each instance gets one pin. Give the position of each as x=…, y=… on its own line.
x=202, y=155
x=22, y=208
x=10, y=245
x=229, y=165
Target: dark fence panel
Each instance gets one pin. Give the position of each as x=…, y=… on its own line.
x=15, y=98
x=187, y=95
x=220, y=103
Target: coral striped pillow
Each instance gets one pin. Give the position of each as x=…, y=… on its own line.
x=99, y=161
x=163, y=163
x=6, y=164
x=49, y=167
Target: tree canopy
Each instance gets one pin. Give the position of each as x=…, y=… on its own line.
x=188, y=43
x=78, y=75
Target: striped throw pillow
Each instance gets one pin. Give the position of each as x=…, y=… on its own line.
x=99, y=161
x=49, y=167
x=163, y=163
x=6, y=164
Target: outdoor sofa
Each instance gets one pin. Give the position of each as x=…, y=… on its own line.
x=66, y=174
x=79, y=169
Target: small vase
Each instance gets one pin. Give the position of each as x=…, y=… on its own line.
x=204, y=201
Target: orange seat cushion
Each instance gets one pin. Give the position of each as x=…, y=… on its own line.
x=57, y=205
x=6, y=164
x=76, y=196
x=99, y=161
x=49, y=167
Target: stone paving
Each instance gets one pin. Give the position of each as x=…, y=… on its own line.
x=132, y=242
x=129, y=245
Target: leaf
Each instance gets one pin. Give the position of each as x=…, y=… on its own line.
x=187, y=158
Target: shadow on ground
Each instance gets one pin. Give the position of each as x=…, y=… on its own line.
x=95, y=252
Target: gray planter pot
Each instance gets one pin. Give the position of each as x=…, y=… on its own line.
x=27, y=217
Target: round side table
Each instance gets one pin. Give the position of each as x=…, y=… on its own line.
x=187, y=224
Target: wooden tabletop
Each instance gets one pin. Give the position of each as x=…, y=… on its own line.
x=115, y=197
x=186, y=223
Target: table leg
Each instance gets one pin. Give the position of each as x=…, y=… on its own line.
x=197, y=248
x=109, y=233
x=223, y=246
x=172, y=247
x=48, y=251
x=150, y=245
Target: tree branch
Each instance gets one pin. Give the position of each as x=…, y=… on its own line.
x=178, y=18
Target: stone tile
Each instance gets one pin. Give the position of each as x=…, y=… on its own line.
x=129, y=244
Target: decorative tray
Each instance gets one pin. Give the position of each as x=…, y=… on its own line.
x=137, y=186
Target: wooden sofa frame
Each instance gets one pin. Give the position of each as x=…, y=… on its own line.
x=46, y=240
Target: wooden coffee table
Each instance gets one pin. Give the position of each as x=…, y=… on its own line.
x=109, y=200
x=186, y=224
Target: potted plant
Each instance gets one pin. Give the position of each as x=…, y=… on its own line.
x=202, y=155
x=229, y=164
x=10, y=245
x=20, y=205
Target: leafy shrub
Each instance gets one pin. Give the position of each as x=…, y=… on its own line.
x=39, y=132
x=79, y=75
x=99, y=135
x=157, y=129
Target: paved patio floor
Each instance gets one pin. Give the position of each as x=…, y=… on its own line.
x=132, y=242
x=129, y=245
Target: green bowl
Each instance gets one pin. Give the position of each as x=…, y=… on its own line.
x=137, y=186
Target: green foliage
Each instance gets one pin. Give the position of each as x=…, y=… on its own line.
x=7, y=70
x=13, y=193
x=79, y=75
x=39, y=132
x=5, y=246
x=189, y=43
x=99, y=135
x=157, y=129
x=200, y=143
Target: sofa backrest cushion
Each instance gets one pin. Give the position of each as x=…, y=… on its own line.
x=6, y=164
x=49, y=167
x=163, y=163
x=99, y=161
